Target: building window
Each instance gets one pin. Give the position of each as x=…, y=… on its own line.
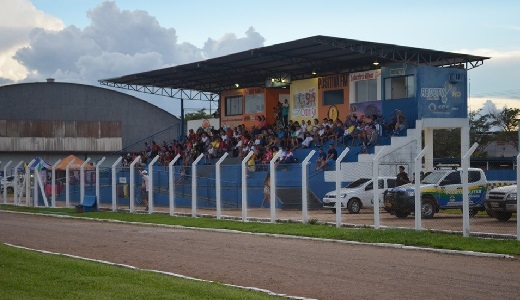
x=234, y=106
x=365, y=90
x=254, y=103
x=333, y=97
x=400, y=87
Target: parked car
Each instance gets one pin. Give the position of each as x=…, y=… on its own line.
x=440, y=189
x=8, y=183
x=358, y=194
x=501, y=202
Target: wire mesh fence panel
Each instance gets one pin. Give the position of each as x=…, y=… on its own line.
x=493, y=211
x=397, y=161
x=105, y=187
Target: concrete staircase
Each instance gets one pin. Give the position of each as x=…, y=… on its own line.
x=401, y=151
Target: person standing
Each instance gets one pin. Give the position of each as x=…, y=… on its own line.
x=145, y=187
x=267, y=190
x=402, y=177
x=285, y=112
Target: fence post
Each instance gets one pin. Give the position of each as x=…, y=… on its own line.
x=27, y=182
x=5, y=175
x=517, y=195
x=171, y=183
x=82, y=180
x=114, y=183
x=375, y=184
x=194, y=185
x=272, y=184
x=417, y=187
x=67, y=183
x=150, y=183
x=339, y=176
x=53, y=183
x=17, y=192
x=217, y=185
x=97, y=180
x=132, y=183
x=244, y=186
x=305, y=175
x=465, y=190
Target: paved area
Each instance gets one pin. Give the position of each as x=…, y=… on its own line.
x=315, y=269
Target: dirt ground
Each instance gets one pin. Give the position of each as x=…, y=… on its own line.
x=307, y=268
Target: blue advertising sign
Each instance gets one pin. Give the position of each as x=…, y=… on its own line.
x=442, y=93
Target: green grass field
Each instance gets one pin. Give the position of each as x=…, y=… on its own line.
x=30, y=275
x=26, y=274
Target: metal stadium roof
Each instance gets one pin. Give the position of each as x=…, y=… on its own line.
x=300, y=59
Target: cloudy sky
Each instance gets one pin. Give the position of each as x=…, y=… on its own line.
x=83, y=41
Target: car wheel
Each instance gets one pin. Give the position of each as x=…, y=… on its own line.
x=427, y=209
x=490, y=212
x=10, y=190
x=353, y=206
x=401, y=214
x=333, y=210
x=503, y=216
x=473, y=212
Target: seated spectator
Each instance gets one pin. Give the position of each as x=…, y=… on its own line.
x=309, y=127
x=401, y=122
x=155, y=150
x=307, y=142
x=321, y=157
x=319, y=137
x=289, y=157
x=332, y=155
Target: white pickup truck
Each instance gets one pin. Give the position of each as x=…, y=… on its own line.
x=440, y=189
x=501, y=202
x=358, y=194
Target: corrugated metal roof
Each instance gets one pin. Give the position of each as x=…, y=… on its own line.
x=299, y=59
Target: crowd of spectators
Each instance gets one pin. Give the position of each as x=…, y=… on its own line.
x=266, y=139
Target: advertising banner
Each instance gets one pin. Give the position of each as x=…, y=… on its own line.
x=304, y=102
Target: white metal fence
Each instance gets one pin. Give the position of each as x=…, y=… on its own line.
x=172, y=188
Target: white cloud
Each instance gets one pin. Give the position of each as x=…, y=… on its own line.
x=115, y=43
x=229, y=43
x=17, y=19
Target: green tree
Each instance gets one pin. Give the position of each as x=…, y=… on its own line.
x=446, y=143
x=507, y=120
x=480, y=125
x=200, y=114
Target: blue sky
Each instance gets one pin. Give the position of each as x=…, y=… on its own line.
x=195, y=29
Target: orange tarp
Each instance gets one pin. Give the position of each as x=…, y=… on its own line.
x=76, y=165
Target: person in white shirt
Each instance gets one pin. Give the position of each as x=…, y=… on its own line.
x=306, y=143
x=145, y=185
